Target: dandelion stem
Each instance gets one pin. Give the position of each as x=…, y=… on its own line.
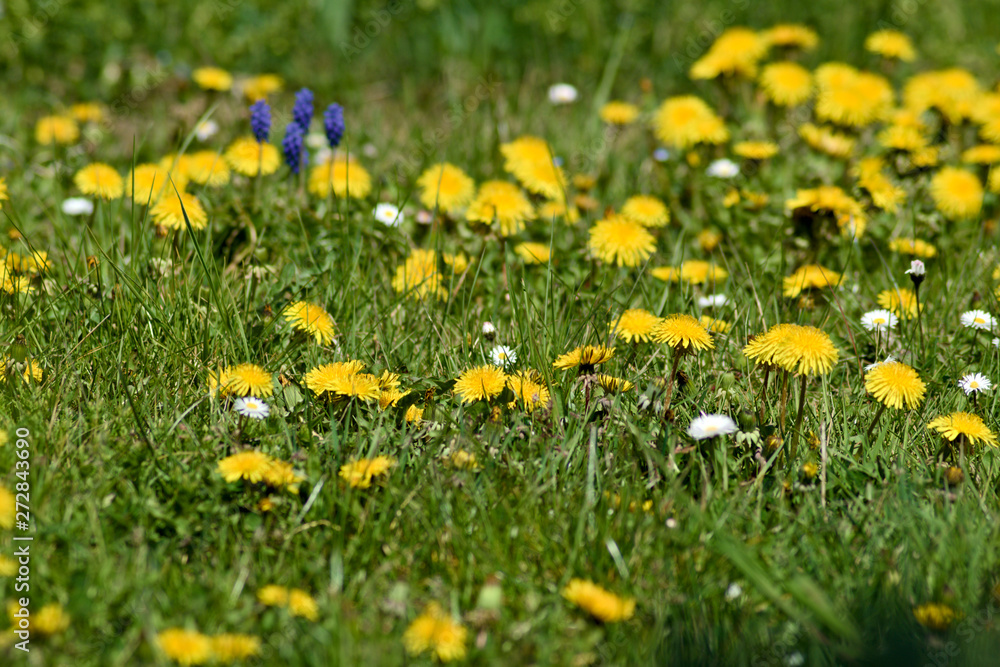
x=920, y=325
x=670, y=382
x=871, y=427
x=763, y=392
x=784, y=399
x=798, y=420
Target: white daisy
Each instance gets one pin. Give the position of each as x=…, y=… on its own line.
x=562, y=93
x=712, y=301
x=916, y=268
x=206, y=129
x=879, y=320
x=388, y=215
x=252, y=407
x=974, y=383
x=724, y=168
x=977, y=319
x=733, y=592
x=501, y=355
x=709, y=426
x=77, y=206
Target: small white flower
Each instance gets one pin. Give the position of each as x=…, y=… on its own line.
x=977, y=319
x=724, y=168
x=369, y=150
x=501, y=355
x=424, y=217
x=671, y=523
x=316, y=140
x=974, y=383
x=879, y=320
x=252, y=407
x=206, y=129
x=77, y=206
x=661, y=155
x=712, y=301
x=916, y=268
x=562, y=93
x=888, y=359
x=795, y=659
x=709, y=426
x=388, y=215
x=489, y=329
x=733, y=592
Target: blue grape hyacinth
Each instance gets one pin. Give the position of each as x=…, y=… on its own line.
x=333, y=123
x=260, y=120
x=302, y=112
x=296, y=156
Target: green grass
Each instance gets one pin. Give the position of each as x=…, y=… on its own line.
x=136, y=532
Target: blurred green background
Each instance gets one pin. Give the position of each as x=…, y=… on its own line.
x=89, y=49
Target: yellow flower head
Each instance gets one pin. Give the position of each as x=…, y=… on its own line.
x=603, y=605
x=619, y=240
x=326, y=379
x=635, y=324
x=261, y=86
x=529, y=389
x=807, y=351
x=756, y=150
x=100, y=180
x=503, y=203
x=895, y=384
x=312, y=319
x=7, y=508
x=619, y=113
x=792, y=35
x=585, y=357
x=172, y=207
x=684, y=332
x=185, y=647
x=915, y=247
x=419, y=277
x=56, y=130
x=891, y=44
x=763, y=348
x=901, y=302
x=786, y=84
x=435, y=631
x=827, y=141
x=853, y=98
x=693, y=272
x=249, y=157
x=250, y=465
x=208, y=168
x=957, y=193
x=965, y=424
x=734, y=53
x=530, y=160
x=147, y=182
x=212, y=78
x=480, y=383
x=344, y=177
x=647, y=210
x=533, y=253
x=273, y=596
x=300, y=603
x=446, y=187
x=229, y=647
x=359, y=473
x=246, y=380
x=686, y=120
x=810, y=276
x=935, y=616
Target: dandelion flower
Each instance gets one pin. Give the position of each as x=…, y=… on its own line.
x=895, y=385
x=170, y=210
x=714, y=325
x=50, y=619
x=982, y=154
x=446, y=187
x=250, y=465
x=186, y=647
x=734, y=53
x=259, y=87
x=902, y=302
x=964, y=424
x=533, y=253
x=208, y=168
x=825, y=140
x=300, y=603
x=273, y=596
x=501, y=202
x=247, y=380
x=710, y=426
x=915, y=247
x=212, y=78
x=56, y=130
x=229, y=647
x=791, y=35
x=763, y=348
x=635, y=324
x=935, y=616
x=686, y=120
x=8, y=506
x=646, y=210
x=311, y=319
x=414, y=414
x=692, y=271
x=248, y=406
x=419, y=277
x=327, y=378
x=501, y=356
x=786, y=84
x=435, y=631
x=878, y=320
x=884, y=193
x=891, y=44
x=603, y=605
x=558, y=208
x=974, y=383
x=463, y=460
x=250, y=157
x=683, y=332
x=810, y=276
x=359, y=473
x=528, y=388
x=585, y=357
x=619, y=113
x=957, y=193
x=619, y=240
x=100, y=180
x=853, y=99
x=480, y=383
x=530, y=160
x=756, y=150
x=342, y=176
x=147, y=182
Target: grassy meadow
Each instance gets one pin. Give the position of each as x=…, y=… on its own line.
x=692, y=362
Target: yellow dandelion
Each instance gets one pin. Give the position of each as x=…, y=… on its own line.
x=212, y=78
x=756, y=150
x=229, y=647
x=533, y=253
x=463, y=460
x=982, y=154
x=935, y=616
x=445, y=187
x=915, y=247
x=709, y=239
x=50, y=619
x=734, y=53
x=957, y=193
x=359, y=473
x=895, y=384
x=414, y=414
x=683, y=332
x=686, y=120
x=247, y=380
x=260, y=87
x=273, y=596
x=635, y=324
x=326, y=378
x=249, y=157
x=419, y=277
x=646, y=210
x=901, y=302
x=170, y=210
x=619, y=240
x=56, y=130
x=806, y=350
x=480, y=383
x=585, y=357
x=503, y=203
x=885, y=195
x=8, y=567
x=185, y=647
x=530, y=160
x=619, y=113
x=100, y=180
x=435, y=631
x=250, y=465
x=854, y=98
x=208, y=168
x=8, y=505
x=389, y=398
x=280, y=474
x=763, y=348
x=891, y=44
x=147, y=182
x=966, y=425
x=693, y=272
x=603, y=605
x=312, y=319
x=362, y=386
x=827, y=141
x=954, y=92
x=88, y=112
x=902, y=138
x=529, y=389
x=300, y=603
x=714, y=325
x=458, y=262
x=791, y=35
x=786, y=84
x=810, y=276
x=557, y=208
x=613, y=384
